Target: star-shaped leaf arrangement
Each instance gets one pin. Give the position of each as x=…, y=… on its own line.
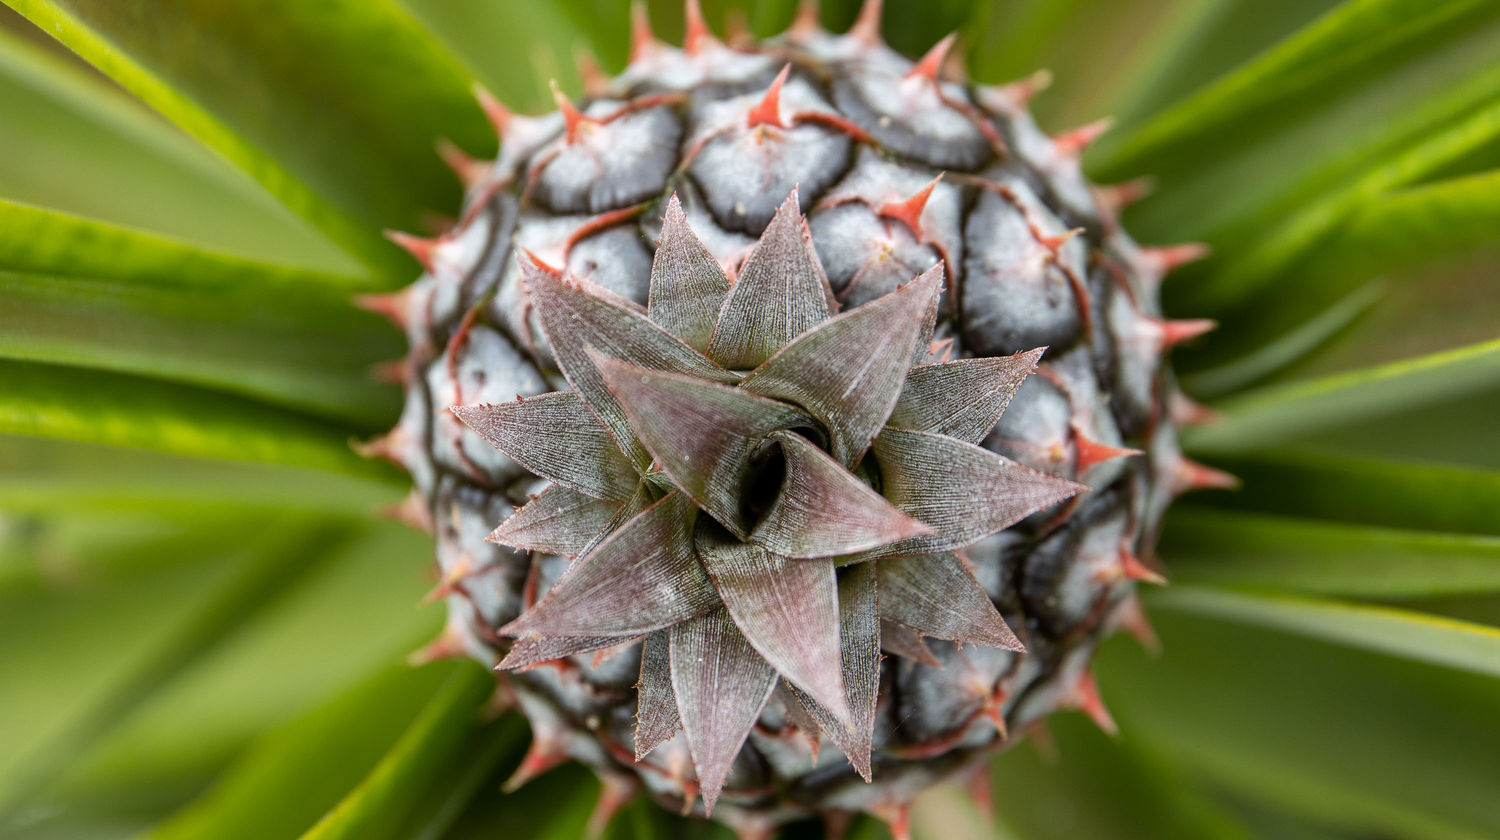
x=756, y=485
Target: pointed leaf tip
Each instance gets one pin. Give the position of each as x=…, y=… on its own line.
x=848, y=372
x=556, y=436
x=702, y=434
x=787, y=609
x=687, y=285
x=781, y=293
x=721, y=685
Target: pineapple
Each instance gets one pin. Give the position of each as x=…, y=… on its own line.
x=678, y=380
x=765, y=360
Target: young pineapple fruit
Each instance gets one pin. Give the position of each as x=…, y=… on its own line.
x=817, y=398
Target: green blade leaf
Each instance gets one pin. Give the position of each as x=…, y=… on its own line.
x=1298, y=555
x=346, y=145
x=1417, y=636
x=93, y=407
x=1367, y=744
x=1352, y=39
x=312, y=642
x=76, y=142
x=88, y=294
x=276, y=564
x=297, y=771
x=1392, y=494
x=1096, y=787
x=435, y=740
x=1285, y=412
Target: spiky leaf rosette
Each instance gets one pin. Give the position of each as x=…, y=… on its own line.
x=928, y=418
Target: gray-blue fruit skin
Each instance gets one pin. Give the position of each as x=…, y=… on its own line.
x=1015, y=284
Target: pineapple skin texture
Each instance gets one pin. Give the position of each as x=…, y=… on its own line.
x=898, y=169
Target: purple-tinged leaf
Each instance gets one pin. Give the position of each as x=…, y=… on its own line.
x=557, y=437
x=558, y=520
x=788, y=610
x=721, y=685
x=823, y=510
x=576, y=317
x=781, y=293
x=687, y=285
x=936, y=595
x=859, y=629
x=847, y=372
x=644, y=496
x=643, y=577
x=965, y=492
x=703, y=435
x=526, y=653
x=656, y=719
x=963, y=398
x=904, y=641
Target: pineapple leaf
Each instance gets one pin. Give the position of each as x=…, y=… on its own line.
x=307, y=764
x=687, y=285
x=430, y=746
x=75, y=142
x=1109, y=788
x=348, y=147
x=1364, y=743
x=1383, y=492
x=557, y=521
x=963, y=398
x=1411, y=635
x=656, y=706
x=937, y=595
x=1308, y=556
x=1354, y=39
x=1286, y=412
x=51, y=401
x=89, y=294
x=788, y=610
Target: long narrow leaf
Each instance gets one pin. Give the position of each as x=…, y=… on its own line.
x=92, y=407
x=1417, y=636
x=1291, y=555
x=1286, y=412
x=347, y=147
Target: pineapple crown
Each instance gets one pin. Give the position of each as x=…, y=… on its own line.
x=743, y=522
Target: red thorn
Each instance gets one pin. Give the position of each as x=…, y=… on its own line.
x=867, y=25
x=452, y=577
x=931, y=64
x=1130, y=616
x=1086, y=699
x=540, y=263
x=411, y=510
x=615, y=792
x=1022, y=91
x=1055, y=243
x=1191, y=475
x=1184, y=411
x=545, y=753
x=808, y=21
x=1116, y=197
x=737, y=28
x=1133, y=569
x=388, y=446
x=1167, y=259
x=897, y=818
x=1091, y=452
x=421, y=248
x=642, y=40
x=994, y=709
x=982, y=790
x=393, y=372
x=498, y=115
x=573, y=119
x=469, y=170
x=595, y=80
x=695, y=29
x=1176, y=332
x=446, y=646
x=1072, y=143
x=909, y=211
x=768, y=110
